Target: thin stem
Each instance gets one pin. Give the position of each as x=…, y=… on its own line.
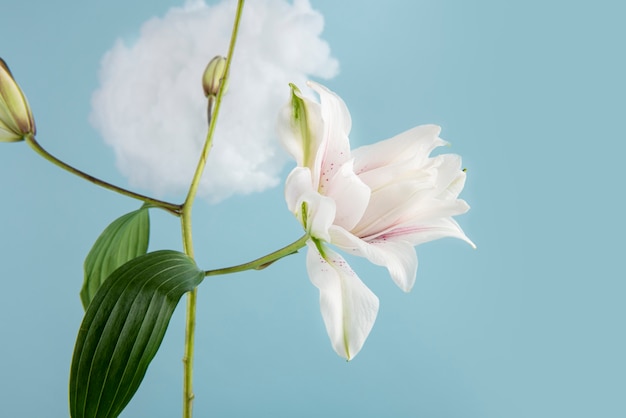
x=262, y=262
x=190, y=337
x=195, y=182
x=170, y=207
x=190, y=323
x=190, y=327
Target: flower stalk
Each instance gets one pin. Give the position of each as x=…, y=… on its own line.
x=174, y=209
x=190, y=326
x=17, y=124
x=262, y=262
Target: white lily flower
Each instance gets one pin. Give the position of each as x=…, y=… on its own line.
x=377, y=201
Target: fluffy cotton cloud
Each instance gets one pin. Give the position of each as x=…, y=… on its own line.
x=151, y=109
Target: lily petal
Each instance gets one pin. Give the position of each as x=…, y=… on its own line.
x=395, y=253
x=334, y=149
x=415, y=144
x=320, y=213
x=348, y=307
x=315, y=212
x=418, y=234
x=349, y=193
x=406, y=202
x=449, y=172
x=298, y=183
x=300, y=128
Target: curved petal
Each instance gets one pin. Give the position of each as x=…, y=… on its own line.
x=451, y=183
x=334, y=149
x=417, y=234
x=409, y=201
x=333, y=108
x=298, y=183
x=449, y=177
x=315, y=212
x=320, y=213
x=300, y=127
x=415, y=144
x=391, y=205
x=349, y=193
x=432, y=209
x=396, y=254
x=396, y=172
x=348, y=307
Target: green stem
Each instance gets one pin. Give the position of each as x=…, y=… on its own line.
x=190, y=322
x=262, y=262
x=170, y=207
x=190, y=327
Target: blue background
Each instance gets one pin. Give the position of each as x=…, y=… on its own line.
x=531, y=324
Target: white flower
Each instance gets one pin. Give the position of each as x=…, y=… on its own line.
x=377, y=201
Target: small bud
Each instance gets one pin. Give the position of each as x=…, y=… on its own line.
x=213, y=75
x=16, y=119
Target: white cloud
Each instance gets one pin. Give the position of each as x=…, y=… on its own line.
x=151, y=109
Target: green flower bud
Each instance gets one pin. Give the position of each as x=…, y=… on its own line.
x=16, y=119
x=213, y=75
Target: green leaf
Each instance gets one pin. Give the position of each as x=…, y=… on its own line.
x=125, y=238
x=123, y=329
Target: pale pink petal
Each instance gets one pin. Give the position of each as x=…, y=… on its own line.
x=334, y=149
x=394, y=204
x=396, y=254
x=348, y=307
x=420, y=233
x=399, y=258
x=415, y=144
x=433, y=209
x=350, y=194
x=417, y=202
x=396, y=172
